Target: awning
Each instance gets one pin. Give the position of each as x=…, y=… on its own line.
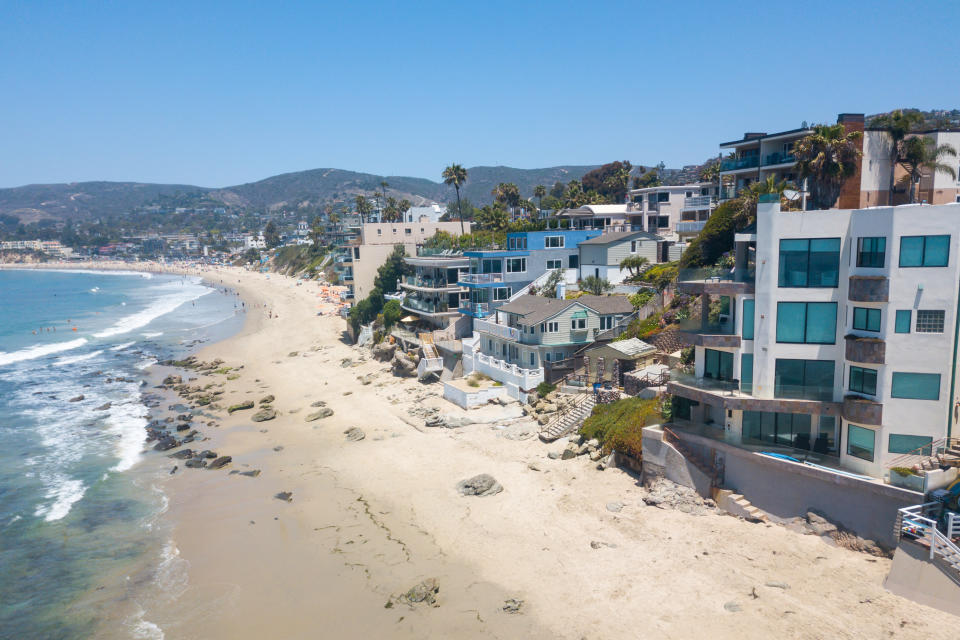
x=409, y=319
x=579, y=314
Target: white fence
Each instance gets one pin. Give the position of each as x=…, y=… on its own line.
x=499, y=330
x=507, y=373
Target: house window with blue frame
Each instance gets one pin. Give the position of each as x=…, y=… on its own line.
x=807, y=322
x=924, y=251
x=746, y=331
x=809, y=263
x=866, y=319
x=871, y=252
x=915, y=386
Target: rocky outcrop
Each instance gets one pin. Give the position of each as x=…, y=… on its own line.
x=220, y=462
x=355, y=434
x=264, y=414
x=267, y=399
x=325, y=412
x=384, y=351
x=481, y=485
x=403, y=366
x=79, y=398
x=286, y=496
x=240, y=406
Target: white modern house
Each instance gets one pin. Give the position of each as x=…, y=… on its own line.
x=673, y=211
x=834, y=340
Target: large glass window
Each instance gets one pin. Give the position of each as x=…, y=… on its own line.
x=863, y=380
x=915, y=386
x=746, y=372
x=553, y=242
x=717, y=364
x=804, y=379
x=811, y=262
x=554, y=264
x=793, y=430
x=866, y=319
x=903, y=321
x=929, y=321
x=924, y=251
x=860, y=442
x=807, y=322
x=902, y=443
x=491, y=265
x=747, y=330
x=516, y=265
x=871, y=252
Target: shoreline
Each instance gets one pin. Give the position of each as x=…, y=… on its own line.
x=369, y=519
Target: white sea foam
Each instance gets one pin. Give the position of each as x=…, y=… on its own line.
x=64, y=492
x=155, y=309
x=40, y=350
x=121, y=347
x=152, y=334
x=142, y=629
x=140, y=274
x=149, y=362
x=127, y=422
x=74, y=359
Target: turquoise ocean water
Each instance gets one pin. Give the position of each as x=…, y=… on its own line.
x=80, y=503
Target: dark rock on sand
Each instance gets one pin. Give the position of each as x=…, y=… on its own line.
x=316, y=415
x=195, y=463
x=286, y=496
x=182, y=454
x=206, y=453
x=481, y=485
x=220, y=462
x=246, y=404
x=104, y=406
x=264, y=414
x=166, y=443
x=76, y=399
x=267, y=399
x=253, y=473
x=355, y=434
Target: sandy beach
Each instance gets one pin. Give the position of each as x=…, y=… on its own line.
x=369, y=519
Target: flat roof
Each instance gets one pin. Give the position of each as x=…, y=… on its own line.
x=766, y=136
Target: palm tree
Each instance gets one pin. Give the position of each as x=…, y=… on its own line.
x=922, y=155
x=828, y=158
x=538, y=192
x=455, y=175
x=897, y=124
x=634, y=264
x=363, y=207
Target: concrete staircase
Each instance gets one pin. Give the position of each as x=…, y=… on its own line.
x=569, y=419
x=736, y=504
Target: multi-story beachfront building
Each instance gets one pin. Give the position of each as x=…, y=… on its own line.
x=833, y=339
x=522, y=337
x=496, y=275
x=675, y=212
x=358, y=258
x=433, y=293
x=759, y=155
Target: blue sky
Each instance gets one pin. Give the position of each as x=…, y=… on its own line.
x=217, y=94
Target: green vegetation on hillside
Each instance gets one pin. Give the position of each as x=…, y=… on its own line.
x=619, y=425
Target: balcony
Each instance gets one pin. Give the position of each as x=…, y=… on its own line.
x=499, y=330
x=713, y=280
x=869, y=289
x=865, y=350
x=778, y=158
x=481, y=278
x=425, y=306
x=509, y=374
x=732, y=394
x=420, y=282
x=699, y=202
x=475, y=309
x=736, y=164
x=728, y=193
x=693, y=226
x=704, y=333
x=862, y=410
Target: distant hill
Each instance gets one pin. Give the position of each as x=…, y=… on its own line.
x=84, y=200
x=934, y=119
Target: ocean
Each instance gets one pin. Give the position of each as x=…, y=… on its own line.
x=81, y=531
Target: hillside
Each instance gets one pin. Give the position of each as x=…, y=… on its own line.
x=84, y=200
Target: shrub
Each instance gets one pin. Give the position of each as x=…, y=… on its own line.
x=641, y=298
x=619, y=425
x=715, y=239
x=903, y=471
x=544, y=388
x=660, y=275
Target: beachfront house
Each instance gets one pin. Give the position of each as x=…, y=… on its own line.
x=533, y=338
x=833, y=340
x=676, y=212
x=433, y=293
x=601, y=256
x=496, y=275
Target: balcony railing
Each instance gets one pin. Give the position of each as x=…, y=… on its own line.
x=425, y=306
x=695, y=226
x=699, y=202
x=428, y=283
x=716, y=274
x=778, y=158
x=499, y=330
x=481, y=278
x=478, y=309
x=732, y=164
x=728, y=193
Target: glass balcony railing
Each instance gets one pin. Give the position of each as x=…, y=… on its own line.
x=481, y=278
x=778, y=158
x=478, y=309
x=427, y=306
x=427, y=282
x=699, y=202
x=733, y=387
x=721, y=325
x=732, y=164
x=716, y=274
x=691, y=226
x=728, y=193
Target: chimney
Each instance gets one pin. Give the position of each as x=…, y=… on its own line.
x=750, y=135
x=851, y=118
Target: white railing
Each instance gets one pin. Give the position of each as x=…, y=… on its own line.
x=481, y=278
x=695, y=226
x=538, y=282
x=428, y=365
x=505, y=372
x=475, y=307
x=499, y=330
x=914, y=522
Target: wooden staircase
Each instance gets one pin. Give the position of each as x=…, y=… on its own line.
x=569, y=419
